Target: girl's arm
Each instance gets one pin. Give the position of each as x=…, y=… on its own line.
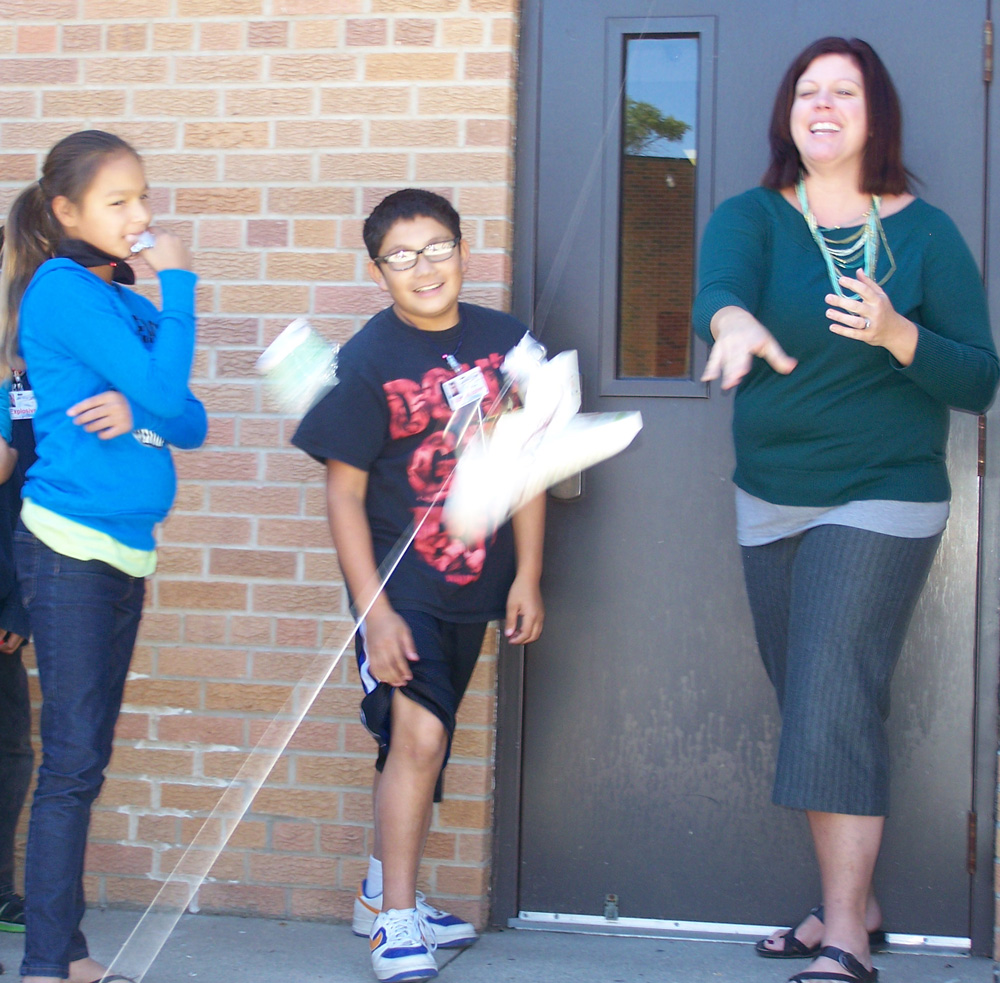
x=186, y=431
x=76, y=312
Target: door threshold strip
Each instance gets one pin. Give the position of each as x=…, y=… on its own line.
x=665, y=928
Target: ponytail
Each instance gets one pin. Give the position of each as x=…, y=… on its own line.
x=29, y=239
x=32, y=233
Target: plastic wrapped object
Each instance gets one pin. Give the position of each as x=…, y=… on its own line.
x=531, y=449
x=300, y=367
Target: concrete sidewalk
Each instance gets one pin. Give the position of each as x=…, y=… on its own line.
x=250, y=950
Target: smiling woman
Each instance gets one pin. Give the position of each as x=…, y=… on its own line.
x=850, y=316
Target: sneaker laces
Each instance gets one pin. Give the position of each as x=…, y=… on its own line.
x=402, y=929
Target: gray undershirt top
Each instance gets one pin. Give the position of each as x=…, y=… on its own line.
x=759, y=522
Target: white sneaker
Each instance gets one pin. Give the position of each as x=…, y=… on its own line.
x=445, y=930
x=400, y=949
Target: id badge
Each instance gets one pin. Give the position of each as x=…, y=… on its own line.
x=469, y=387
x=22, y=404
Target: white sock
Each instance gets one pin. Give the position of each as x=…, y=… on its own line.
x=373, y=882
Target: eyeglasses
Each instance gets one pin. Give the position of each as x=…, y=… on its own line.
x=406, y=259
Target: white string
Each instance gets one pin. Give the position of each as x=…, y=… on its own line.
x=175, y=894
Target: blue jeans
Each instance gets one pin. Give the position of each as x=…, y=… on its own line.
x=84, y=618
x=16, y=758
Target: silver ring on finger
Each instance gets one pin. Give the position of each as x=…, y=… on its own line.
x=868, y=324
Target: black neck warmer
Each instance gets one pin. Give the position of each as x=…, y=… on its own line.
x=90, y=256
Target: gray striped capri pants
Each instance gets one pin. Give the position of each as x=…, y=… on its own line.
x=830, y=608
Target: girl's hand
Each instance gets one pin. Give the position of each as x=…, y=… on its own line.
x=108, y=415
x=168, y=252
x=739, y=339
x=871, y=318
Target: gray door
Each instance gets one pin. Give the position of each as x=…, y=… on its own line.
x=647, y=729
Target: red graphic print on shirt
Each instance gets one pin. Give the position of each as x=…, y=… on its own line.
x=408, y=412
x=459, y=563
x=420, y=408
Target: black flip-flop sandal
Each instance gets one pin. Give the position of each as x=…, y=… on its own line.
x=795, y=948
x=114, y=979
x=849, y=961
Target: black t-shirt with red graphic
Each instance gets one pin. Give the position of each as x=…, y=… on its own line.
x=387, y=416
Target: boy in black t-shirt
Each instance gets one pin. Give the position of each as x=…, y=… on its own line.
x=381, y=432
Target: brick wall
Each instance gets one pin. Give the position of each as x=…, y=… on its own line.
x=657, y=266
x=269, y=129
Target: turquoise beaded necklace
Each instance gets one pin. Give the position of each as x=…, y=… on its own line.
x=844, y=256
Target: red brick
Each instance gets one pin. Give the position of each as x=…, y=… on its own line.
x=284, y=869
x=202, y=530
x=246, y=697
x=204, y=629
x=118, y=858
x=295, y=837
x=267, y=34
x=150, y=762
x=414, y=32
x=267, y=232
x=312, y=67
x=201, y=729
x=202, y=595
x=212, y=663
x=48, y=71
x=34, y=39
x=366, y=32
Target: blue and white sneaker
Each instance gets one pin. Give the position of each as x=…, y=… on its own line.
x=447, y=931
x=400, y=949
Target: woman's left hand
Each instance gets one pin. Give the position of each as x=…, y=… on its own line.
x=871, y=318
x=107, y=414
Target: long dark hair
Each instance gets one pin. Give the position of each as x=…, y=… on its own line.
x=882, y=170
x=32, y=232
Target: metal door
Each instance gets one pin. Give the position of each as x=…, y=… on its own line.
x=637, y=737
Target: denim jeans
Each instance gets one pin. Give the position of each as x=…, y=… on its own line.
x=16, y=758
x=84, y=618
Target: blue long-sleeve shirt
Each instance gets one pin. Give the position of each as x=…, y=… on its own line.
x=81, y=336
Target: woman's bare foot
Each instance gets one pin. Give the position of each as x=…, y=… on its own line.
x=86, y=971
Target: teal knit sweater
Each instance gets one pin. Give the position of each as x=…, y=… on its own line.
x=849, y=422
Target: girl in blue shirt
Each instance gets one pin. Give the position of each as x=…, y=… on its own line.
x=110, y=377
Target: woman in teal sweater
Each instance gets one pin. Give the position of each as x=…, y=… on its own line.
x=851, y=316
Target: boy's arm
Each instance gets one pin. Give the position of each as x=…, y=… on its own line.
x=388, y=641
x=525, y=611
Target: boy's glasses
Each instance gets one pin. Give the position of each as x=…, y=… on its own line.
x=406, y=259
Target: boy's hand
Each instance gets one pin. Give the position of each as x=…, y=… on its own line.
x=525, y=611
x=10, y=642
x=108, y=414
x=390, y=647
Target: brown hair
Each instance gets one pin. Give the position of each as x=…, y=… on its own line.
x=882, y=170
x=32, y=233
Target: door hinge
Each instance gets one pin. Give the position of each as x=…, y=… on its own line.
x=981, y=455
x=988, y=51
x=971, y=858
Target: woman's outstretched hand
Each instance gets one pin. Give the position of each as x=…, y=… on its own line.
x=871, y=318
x=739, y=339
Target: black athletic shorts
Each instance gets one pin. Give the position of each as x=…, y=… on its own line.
x=448, y=652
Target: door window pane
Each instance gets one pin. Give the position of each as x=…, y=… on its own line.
x=657, y=216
